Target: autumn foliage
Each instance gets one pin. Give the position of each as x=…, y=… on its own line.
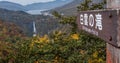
x=71, y=46
x=57, y=47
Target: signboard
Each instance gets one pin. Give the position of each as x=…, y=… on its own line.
x=103, y=23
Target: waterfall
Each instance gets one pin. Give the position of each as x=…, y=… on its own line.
x=34, y=30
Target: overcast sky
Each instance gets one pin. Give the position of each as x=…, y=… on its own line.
x=25, y=2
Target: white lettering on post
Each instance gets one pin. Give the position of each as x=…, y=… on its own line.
x=86, y=19
x=98, y=21
x=91, y=20
x=81, y=19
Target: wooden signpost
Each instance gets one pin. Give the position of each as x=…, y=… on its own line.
x=102, y=23
x=106, y=25
x=113, y=53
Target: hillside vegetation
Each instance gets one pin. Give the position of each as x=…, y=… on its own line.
x=10, y=32
x=58, y=46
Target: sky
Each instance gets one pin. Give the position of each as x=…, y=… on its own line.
x=25, y=2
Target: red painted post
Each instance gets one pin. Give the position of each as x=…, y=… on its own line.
x=113, y=53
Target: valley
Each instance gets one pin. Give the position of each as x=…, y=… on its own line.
x=24, y=20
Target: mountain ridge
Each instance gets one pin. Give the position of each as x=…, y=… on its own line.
x=11, y=6
x=70, y=9
x=34, y=6
x=47, y=5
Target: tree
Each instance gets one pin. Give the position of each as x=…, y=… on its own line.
x=89, y=5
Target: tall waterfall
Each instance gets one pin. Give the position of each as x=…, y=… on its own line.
x=34, y=29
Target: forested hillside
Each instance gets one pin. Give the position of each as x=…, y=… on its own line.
x=25, y=20
x=10, y=32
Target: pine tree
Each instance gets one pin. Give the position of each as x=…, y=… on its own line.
x=89, y=5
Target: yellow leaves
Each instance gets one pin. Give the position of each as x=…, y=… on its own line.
x=93, y=61
x=44, y=39
x=95, y=58
x=62, y=43
x=75, y=36
x=95, y=55
x=39, y=40
x=100, y=60
x=31, y=44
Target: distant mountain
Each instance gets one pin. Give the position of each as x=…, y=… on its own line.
x=11, y=6
x=71, y=8
x=68, y=9
x=47, y=5
x=34, y=6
